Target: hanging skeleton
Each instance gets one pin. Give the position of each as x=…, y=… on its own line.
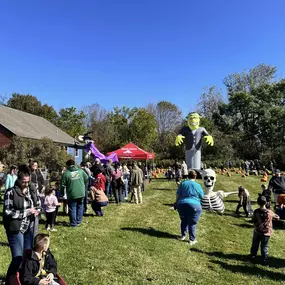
x=213, y=201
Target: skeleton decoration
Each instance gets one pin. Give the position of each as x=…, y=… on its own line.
x=91, y=149
x=213, y=201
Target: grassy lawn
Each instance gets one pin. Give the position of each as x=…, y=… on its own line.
x=136, y=244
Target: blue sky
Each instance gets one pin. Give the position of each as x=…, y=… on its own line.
x=133, y=52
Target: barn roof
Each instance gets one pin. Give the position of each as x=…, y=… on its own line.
x=26, y=125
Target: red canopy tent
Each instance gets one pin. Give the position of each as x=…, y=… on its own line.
x=131, y=151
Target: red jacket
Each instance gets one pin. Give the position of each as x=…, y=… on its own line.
x=100, y=181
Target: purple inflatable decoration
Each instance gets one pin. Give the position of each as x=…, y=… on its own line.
x=90, y=148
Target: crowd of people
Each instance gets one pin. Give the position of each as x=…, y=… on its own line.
x=27, y=198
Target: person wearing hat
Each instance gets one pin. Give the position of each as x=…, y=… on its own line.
x=277, y=185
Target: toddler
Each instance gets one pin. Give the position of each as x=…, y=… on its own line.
x=262, y=219
x=51, y=203
x=244, y=201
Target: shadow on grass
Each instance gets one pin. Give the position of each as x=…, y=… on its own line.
x=63, y=224
x=251, y=270
x=164, y=189
x=273, y=261
x=168, y=205
x=219, y=254
x=151, y=232
x=231, y=201
x=4, y=244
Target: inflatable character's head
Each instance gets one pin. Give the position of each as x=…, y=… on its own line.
x=209, y=179
x=193, y=120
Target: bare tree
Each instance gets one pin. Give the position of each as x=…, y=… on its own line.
x=168, y=117
x=93, y=113
x=210, y=101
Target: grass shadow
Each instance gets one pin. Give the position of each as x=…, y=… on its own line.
x=251, y=270
x=89, y=215
x=273, y=261
x=168, y=205
x=63, y=224
x=151, y=232
x=3, y=243
x=231, y=201
x=219, y=254
x=164, y=189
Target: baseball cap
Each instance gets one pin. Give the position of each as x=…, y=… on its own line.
x=97, y=159
x=277, y=171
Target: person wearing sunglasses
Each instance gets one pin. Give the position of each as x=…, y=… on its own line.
x=21, y=204
x=188, y=205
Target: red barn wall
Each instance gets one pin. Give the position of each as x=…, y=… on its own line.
x=5, y=136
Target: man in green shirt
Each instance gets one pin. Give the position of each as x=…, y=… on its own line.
x=74, y=180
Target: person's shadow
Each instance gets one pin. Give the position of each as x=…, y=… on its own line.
x=251, y=270
x=273, y=261
x=5, y=244
x=151, y=232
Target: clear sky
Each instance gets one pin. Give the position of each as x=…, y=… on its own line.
x=133, y=52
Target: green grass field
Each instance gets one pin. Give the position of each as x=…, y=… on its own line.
x=136, y=244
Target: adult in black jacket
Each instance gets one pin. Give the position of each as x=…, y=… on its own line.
x=20, y=203
x=277, y=185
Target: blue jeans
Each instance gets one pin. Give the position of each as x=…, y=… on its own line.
x=18, y=243
x=189, y=215
x=97, y=207
x=75, y=211
x=256, y=240
x=126, y=187
x=108, y=189
x=86, y=200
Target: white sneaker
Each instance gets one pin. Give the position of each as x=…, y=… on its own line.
x=181, y=237
x=48, y=228
x=192, y=242
x=53, y=230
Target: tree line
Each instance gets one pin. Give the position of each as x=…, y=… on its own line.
x=247, y=121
